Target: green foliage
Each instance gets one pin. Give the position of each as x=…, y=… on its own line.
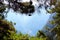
x=23, y=7
x=40, y=34
x=2, y=7
x=27, y=9
x=6, y=28
x=51, y=10
x=52, y=22
x=57, y=20
x=53, y=2
x=36, y=38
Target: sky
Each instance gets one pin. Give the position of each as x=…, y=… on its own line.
x=29, y=24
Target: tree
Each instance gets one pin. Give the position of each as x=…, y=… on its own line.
x=56, y=18
x=53, y=2
x=40, y=34
x=6, y=28
x=2, y=7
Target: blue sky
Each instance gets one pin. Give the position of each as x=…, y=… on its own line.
x=29, y=24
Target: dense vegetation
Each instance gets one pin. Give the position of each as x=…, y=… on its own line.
x=25, y=7
x=56, y=18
